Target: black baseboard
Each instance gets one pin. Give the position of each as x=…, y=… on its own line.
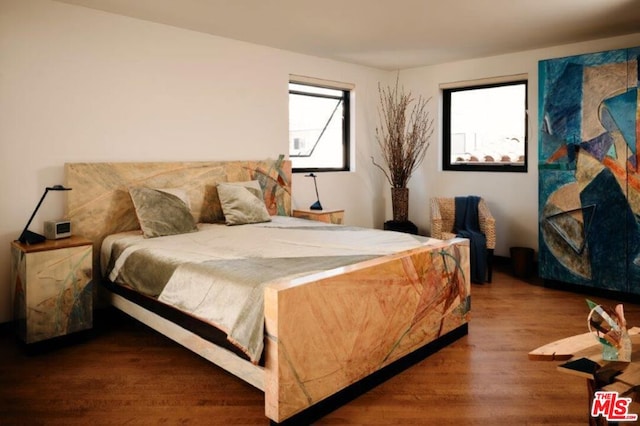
x=593, y=291
x=364, y=385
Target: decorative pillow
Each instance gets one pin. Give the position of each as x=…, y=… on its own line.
x=161, y=213
x=242, y=203
x=178, y=192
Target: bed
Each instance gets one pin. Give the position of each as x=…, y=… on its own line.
x=327, y=333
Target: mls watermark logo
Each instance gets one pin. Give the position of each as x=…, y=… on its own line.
x=612, y=407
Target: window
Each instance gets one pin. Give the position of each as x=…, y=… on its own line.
x=318, y=127
x=485, y=127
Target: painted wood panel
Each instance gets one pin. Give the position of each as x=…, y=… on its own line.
x=51, y=291
x=100, y=205
x=330, y=330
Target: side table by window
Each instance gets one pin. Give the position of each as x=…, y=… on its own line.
x=51, y=289
x=327, y=216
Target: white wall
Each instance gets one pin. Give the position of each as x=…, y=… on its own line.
x=82, y=85
x=512, y=197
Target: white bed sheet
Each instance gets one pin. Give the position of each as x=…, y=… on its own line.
x=281, y=249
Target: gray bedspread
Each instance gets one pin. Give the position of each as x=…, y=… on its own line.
x=218, y=273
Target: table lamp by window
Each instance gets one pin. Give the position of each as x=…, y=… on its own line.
x=28, y=237
x=316, y=205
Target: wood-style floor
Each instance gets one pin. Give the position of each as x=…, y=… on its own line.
x=125, y=373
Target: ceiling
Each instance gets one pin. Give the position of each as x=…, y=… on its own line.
x=391, y=34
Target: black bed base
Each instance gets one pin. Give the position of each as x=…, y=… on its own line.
x=364, y=385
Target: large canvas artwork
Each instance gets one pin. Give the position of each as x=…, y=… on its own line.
x=589, y=158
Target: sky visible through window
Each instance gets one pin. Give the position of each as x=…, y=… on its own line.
x=315, y=127
x=488, y=124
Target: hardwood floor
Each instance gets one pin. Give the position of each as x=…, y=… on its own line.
x=125, y=373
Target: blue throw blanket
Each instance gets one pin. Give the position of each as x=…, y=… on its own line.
x=467, y=225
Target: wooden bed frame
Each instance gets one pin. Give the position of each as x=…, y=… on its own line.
x=326, y=333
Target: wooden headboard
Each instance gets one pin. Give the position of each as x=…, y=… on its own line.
x=99, y=203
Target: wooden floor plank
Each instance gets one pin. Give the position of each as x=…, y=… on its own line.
x=125, y=373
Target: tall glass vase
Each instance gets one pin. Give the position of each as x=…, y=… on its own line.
x=400, y=204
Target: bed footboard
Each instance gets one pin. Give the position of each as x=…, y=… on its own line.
x=330, y=330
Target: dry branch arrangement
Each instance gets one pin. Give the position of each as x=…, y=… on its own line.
x=404, y=134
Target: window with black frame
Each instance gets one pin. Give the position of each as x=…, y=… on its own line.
x=485, y=127
x=318, y=127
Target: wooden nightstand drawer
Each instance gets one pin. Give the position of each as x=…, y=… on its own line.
x=51, y=288
x=328, y=216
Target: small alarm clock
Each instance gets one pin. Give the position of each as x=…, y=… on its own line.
x=56, y=229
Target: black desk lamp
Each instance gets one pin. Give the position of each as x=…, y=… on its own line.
x=316, y=205
x=28, y=237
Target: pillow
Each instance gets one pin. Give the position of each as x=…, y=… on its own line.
x=161, y=213
x=178, y=192
x=242, y=203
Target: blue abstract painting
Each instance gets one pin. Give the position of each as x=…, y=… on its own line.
x=589, y=185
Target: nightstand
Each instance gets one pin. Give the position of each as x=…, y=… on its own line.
x=328, y=216
x=51, y=288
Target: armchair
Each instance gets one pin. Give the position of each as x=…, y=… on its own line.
x=442, y=223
